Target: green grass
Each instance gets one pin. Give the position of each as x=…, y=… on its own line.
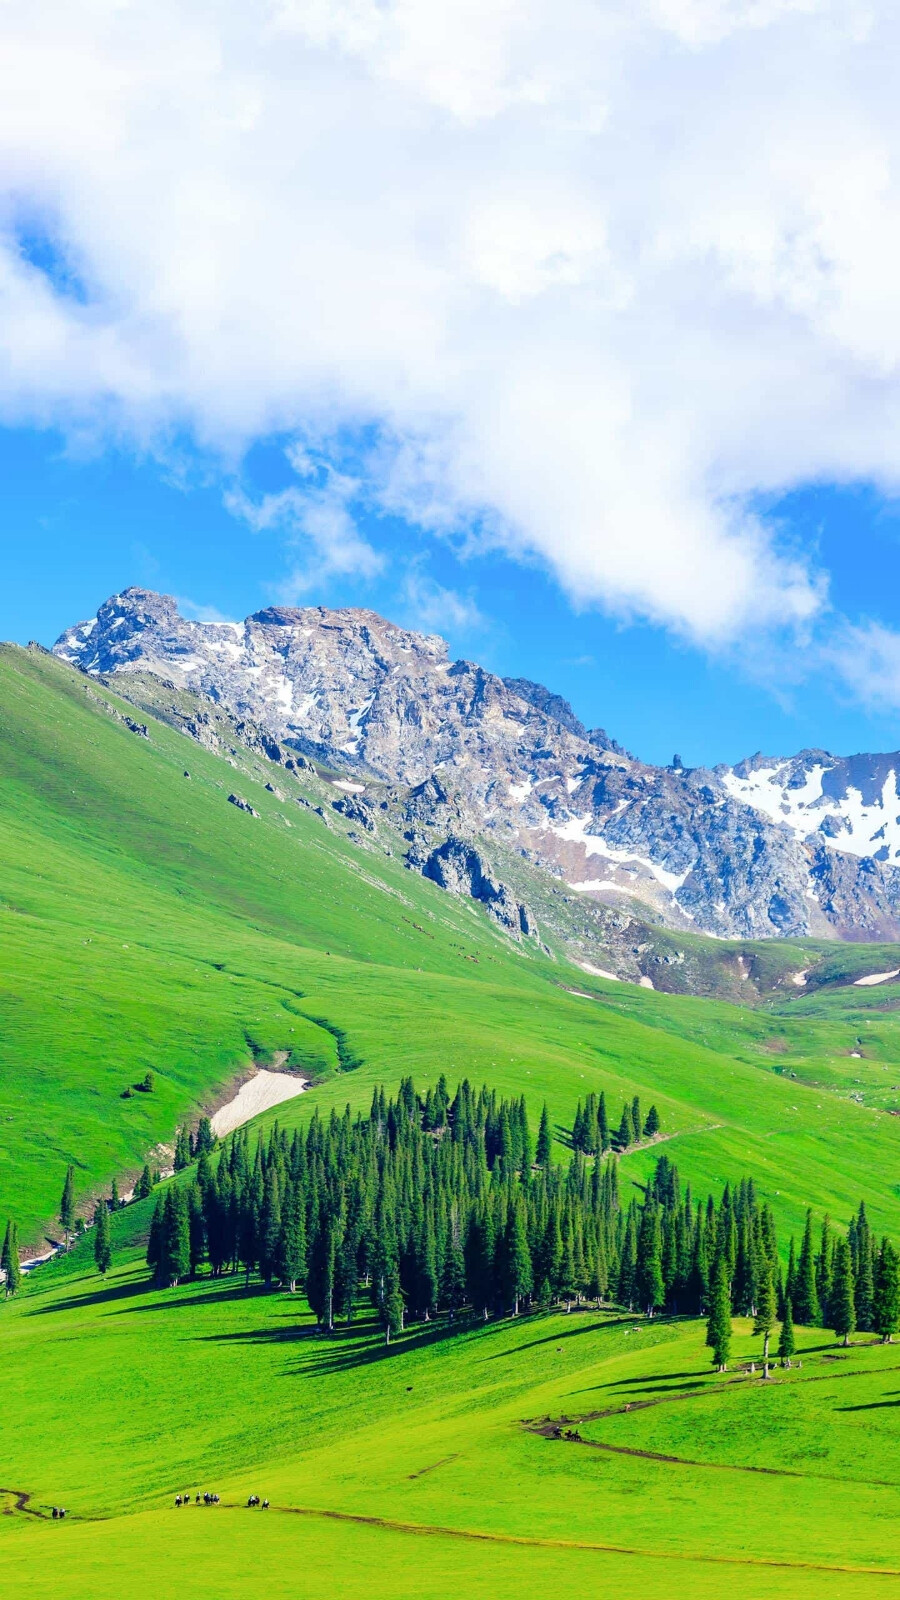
x=144, y=922
x=125, y=1395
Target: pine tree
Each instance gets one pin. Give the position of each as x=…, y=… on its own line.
x=786, y=1345
x=67, y=1204
x=544, y=1140
x=155, y=1240
x=651, y=1126
x=9, y=1260
x=518, y=1277
x=843, y=1310
x=764, y=1321
x=391, y=1309
x=805, y=1298
x=144, y=1185
x=102, y=1242
x=887, y=1293
x=718, y=1329
x=649, y=1285
x=636, y=1120
x=176, y=1239
x=623, y=1137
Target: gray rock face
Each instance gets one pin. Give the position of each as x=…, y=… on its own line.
x=771, y=847
x=459, y=867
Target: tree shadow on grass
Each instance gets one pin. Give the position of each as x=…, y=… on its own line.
x=210, y=1296
x=874, y=1405
x=556, y=1338
x=97, y=1297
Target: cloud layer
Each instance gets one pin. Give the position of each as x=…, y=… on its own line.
x=590, y=275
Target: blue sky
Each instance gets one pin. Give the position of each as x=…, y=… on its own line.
x=77, y=528
x=571, y=331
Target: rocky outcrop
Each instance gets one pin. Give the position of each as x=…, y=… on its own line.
x=457, y=866
x=242, y=804
x=809, y=845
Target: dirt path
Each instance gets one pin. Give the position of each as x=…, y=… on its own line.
x=554, y=1428
x=529, y=1541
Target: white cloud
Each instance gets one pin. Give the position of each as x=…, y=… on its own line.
x=593, y=273
x=439, y=610
x=316, y=520
x=866, y=657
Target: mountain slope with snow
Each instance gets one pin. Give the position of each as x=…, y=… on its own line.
x=768, y=848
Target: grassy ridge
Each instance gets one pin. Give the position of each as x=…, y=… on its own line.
x=145, y=922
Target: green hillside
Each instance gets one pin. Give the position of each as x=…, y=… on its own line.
x=428, y=1467
x=147, y=923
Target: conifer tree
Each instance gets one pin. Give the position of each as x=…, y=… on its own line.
x=651, y=1126
x=887, y=1293
x=144, y=1185
x=9, y=1261
x=764, y=1320
x=786, y=1344
x=114, y=1201
x=718, y=1329
x=517, y=1263
x=176, y=1240
x=843, y=1309
x=623, y=1137
x=391, y=1309
x=292, y=1245
x=805, y=1298
x=544, y=1140
x=636, y=1120
x=155, y=1240
x=102, y=1242
x=603, y=1139
x=649, y=1286
x=67, y=1204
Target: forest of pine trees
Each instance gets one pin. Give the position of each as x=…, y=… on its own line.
x=433, y=1205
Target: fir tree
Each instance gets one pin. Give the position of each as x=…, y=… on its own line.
x=636, y=1120
x=144, y=1185
x=9, y=1260
x=391, y=1309
x=651, y=1126
x=67, y=1204
x=649, y=1286
x=786, y=1345
x=887, y=1293
x=764, y=1321
x=843, y=1310
x=544, y=1140
x=718, y=1330
x=102, y=1242
x=176, y=1240
x=517, y=1264
x=805, y=1298
x=623, y=1137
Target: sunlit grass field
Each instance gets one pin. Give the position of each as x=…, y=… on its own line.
x=421, y=1467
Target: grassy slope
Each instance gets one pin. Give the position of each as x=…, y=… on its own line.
x=145, y=922
x=150, y=1393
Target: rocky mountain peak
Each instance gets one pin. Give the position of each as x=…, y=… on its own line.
x=772, y=846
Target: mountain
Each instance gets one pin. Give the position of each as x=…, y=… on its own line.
x=803, y=846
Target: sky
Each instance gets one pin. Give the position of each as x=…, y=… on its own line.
x=570, y=331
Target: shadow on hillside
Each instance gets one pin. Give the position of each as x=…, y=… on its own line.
x=565, y=1333
x=96, y=1297
x=874, y=1405
x=206, y=1296
x=342, y=1350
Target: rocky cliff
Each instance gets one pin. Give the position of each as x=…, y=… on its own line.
x=803, y=846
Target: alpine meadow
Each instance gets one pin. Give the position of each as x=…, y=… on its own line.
x=521, y=1276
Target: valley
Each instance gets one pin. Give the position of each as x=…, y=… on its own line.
x=149, y=925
